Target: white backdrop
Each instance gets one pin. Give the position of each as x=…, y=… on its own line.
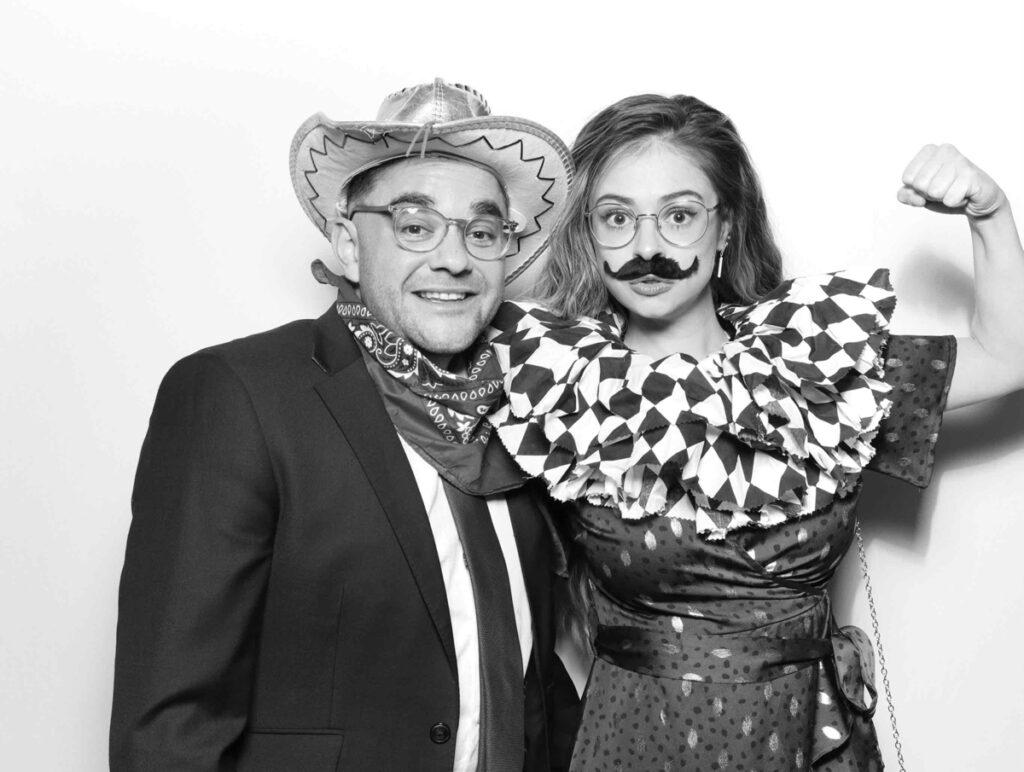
x=146, y=211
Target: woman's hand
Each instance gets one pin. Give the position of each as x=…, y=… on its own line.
x=941, y=178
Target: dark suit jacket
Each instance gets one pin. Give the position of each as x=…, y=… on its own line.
x=282, y=605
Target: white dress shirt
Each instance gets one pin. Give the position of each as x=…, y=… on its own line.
x=461, y=604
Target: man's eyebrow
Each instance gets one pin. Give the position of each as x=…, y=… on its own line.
x=416, y=199
x=481, y=206
x=486, y=206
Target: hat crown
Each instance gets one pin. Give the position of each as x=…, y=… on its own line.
x=436, y=102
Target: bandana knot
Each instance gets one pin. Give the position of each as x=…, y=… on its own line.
x=441, y=414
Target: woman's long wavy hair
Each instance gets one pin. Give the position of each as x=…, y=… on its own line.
x=571, y=284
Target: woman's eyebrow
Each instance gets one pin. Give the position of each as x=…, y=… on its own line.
x=616, y=198
x=627, y=201
x=681, y=194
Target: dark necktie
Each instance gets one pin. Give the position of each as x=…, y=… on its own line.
x=502, y=729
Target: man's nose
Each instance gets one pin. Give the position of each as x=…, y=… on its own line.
x=648, y=241
x=451, y=254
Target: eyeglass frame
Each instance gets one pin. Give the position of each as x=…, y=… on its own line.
x=657, y=222
x=463, y=223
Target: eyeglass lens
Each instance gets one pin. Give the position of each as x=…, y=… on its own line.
x=680, y=223
x=420, y=229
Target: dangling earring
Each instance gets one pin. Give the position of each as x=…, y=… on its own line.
x=720, y=258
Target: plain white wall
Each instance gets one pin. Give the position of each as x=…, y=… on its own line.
x=146, y=211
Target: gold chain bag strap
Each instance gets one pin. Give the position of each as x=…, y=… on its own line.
x=878, y=644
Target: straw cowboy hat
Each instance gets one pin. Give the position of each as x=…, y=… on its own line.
x=532, y=163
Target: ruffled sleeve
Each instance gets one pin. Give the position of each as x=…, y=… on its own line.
x=773, y=426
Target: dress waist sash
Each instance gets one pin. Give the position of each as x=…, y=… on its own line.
x=711, y=658
x=843, y=658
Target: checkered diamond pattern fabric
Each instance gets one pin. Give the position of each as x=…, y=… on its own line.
x=772, y=427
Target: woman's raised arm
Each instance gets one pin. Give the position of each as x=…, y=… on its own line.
x=990, y=361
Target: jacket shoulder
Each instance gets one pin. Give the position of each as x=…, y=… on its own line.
x=267, y=347
x=282, y=352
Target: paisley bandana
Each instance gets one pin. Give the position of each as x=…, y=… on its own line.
x=441, y=414
x=774, y=426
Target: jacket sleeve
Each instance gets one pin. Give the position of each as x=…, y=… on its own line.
x=196, y=565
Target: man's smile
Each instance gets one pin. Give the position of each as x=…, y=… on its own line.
x=439, y=295
x=444, y=296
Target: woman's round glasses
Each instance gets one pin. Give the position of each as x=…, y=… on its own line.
x=421, y=229
x=681, y=223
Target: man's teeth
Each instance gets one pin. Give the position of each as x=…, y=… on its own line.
x=443, y=295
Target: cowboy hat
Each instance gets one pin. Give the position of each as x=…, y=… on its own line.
x=451, y=119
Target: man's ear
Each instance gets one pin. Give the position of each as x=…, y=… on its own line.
x=345, y=243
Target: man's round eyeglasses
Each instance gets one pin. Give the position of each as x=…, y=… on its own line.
x=421, y=229
x=681, y=223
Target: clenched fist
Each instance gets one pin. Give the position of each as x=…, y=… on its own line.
x=941, y=178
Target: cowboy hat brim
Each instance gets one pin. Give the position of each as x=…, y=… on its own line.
x=533, y=164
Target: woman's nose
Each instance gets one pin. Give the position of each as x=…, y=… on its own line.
x=648, y=239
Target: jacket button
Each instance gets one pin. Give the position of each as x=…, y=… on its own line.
x=440, y=733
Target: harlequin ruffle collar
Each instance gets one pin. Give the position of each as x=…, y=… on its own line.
x=772, y=427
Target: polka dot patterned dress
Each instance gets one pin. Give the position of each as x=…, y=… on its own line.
x=723, y=655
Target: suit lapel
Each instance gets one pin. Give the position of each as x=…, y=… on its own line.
x=353, y=401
